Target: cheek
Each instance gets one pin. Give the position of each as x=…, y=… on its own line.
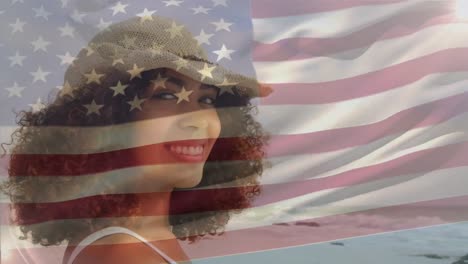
x=215, y=125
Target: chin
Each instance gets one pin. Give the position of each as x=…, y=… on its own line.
x=189, y=180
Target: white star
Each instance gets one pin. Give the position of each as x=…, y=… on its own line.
x=203, y=38
x=41, y=12
x=206, y=71
x=38, y=106
x=226, y=87
x=66, y=59
x=175, y=30
x=77, y=16
x=89, y=50
x=16, y=1
x=93, y=77
x=103, y=25
x=146, y=15
x=40, y=44
x=219, y=2
x=67, y=30
x=15, y=90
x=118, y=8
x=119, y=89
x=16, y=60
x=136, y=103
x=135, y=72
x=222, y=25
x=200, y=9
x=180, y=63
x=173, y=2
x=93, y=108
x=39, y=75
x=66, y=89
x=183, y=95
x=64, y=3
x=128, y=41
x=159, y=82
x=223, y=53
x=17, y=26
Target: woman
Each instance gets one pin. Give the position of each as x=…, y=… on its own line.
x=135, y=149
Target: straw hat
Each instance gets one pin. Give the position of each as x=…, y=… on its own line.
x=137, y=45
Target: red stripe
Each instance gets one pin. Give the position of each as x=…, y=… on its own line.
x=403, y=24
x=314, y=230
x=450, y=60
x=424, y=161
x=278, y=8
x=428, y=114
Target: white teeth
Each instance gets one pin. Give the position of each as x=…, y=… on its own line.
x=198, y=150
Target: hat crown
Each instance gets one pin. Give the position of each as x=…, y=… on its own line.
x=157, y=33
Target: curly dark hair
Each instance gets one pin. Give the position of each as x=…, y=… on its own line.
x=231, y=171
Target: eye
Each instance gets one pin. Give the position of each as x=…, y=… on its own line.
x=209, y=100
x=165, y=96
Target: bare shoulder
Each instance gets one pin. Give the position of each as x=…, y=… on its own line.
x=118, y=248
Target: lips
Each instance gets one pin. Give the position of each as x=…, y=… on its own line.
x=188, y=150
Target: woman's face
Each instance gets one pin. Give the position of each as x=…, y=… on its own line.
x=179, y=125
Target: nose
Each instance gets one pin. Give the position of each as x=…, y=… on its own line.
x=196, y=122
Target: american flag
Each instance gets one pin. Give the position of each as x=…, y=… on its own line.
x=368, y=114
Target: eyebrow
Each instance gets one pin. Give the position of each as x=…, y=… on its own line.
x=181, y=83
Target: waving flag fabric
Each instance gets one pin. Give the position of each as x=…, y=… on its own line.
x=368, y=111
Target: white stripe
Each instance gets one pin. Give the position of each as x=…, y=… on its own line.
x=379, y=55
x=331, y=24
x=307, y=118
x=306, y=166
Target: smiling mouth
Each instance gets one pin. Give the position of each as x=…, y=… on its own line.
x=188, y=151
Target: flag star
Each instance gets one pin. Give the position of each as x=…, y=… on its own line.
x=93, y=108
x=39, y=75
x=77, y=16
x=128, y=41
x=226, y=87
x=40, y=44
x=159, y=82
x=200, y=9
x=116, y=61
x=156, y=49
x=15, y=90
x=180, y=63
x=67, y=89
x=17, y=26
x=222, y=25
x=135, y=103
x=67, y=30
x=223, y=53
x=175, y=30
x=206, y=71
x=16, y=60
x=135, y=72
x=203, y=38
x=41, y=12
x=219, y=2
x=146, y=15
x=89, y=50
x=103, y=25
x=64, y=3
x=66, y=59
x=38, y=106
x=183, y=95
x=118, y=8
x=93, y=77
x=173, y=2
x=118, y=89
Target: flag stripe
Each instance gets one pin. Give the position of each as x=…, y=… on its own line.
x=324, y=25
x=268, y=8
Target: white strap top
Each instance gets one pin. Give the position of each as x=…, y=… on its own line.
x=110, y=231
